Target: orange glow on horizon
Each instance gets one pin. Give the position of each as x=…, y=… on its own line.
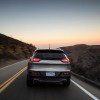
x=65, y=39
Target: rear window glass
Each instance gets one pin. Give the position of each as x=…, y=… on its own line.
x=50, y=51
x=49, y=56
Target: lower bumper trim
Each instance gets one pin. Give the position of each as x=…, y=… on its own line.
x=50, y=80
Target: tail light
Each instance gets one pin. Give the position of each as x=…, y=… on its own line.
x=35, y=73
x=65, y=60
x=35, y=59
x=66, y=73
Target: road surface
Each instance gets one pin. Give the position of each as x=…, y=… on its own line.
x=17, y=89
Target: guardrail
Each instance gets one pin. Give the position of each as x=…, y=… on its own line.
x=86, y=80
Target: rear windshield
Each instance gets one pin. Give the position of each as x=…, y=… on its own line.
x=49, y=56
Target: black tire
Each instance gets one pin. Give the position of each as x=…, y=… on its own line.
x=29, y=81
x=67, y=83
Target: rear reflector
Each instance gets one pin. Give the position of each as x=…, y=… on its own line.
x=65, y=60
x=35, y=59
x=35, y=73
x=66, y=73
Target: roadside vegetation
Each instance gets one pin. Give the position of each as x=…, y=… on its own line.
x=12, y=50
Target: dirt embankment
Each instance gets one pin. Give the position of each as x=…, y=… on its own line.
x=13, y=50
x=85, y=60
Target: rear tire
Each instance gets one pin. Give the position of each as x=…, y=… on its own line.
x=29, y=81
x=67, y=83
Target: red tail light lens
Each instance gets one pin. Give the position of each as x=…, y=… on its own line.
x=35, y=73
x=35, y=59
x=65, y=60
x=67, y=73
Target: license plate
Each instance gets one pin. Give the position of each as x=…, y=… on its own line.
x=50, y=73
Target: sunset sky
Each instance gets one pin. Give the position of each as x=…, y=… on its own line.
x=58, y=22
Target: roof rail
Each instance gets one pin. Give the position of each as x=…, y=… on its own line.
x=37, y=48
x=59, y=49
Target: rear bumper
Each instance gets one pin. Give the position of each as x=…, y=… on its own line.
x=50, y=80
x=58, y=78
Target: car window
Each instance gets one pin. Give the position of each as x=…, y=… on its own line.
x=49, y=56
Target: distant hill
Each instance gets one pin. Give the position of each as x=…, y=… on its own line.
x=85, y=60
x=13, y=49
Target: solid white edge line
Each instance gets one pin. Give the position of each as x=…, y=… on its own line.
x=11, y=65
x=87, y=92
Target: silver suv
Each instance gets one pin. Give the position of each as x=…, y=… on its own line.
x=48, y=65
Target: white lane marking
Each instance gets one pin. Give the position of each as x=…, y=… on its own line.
x=11, y=65
x=87, y=92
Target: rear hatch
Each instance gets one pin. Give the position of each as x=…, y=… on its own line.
x=49, y=62
x=49, y=65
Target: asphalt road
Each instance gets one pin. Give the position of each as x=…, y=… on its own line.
x=18, y=90
x=8, y=71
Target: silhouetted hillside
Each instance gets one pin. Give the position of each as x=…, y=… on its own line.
x=85, y=60
x=13, y=49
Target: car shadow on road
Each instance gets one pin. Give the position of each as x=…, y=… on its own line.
x=48, y=86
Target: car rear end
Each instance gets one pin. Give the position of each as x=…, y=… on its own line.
x=49, y=66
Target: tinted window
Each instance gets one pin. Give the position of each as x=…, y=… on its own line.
x=49, y=51
x=49, y=55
